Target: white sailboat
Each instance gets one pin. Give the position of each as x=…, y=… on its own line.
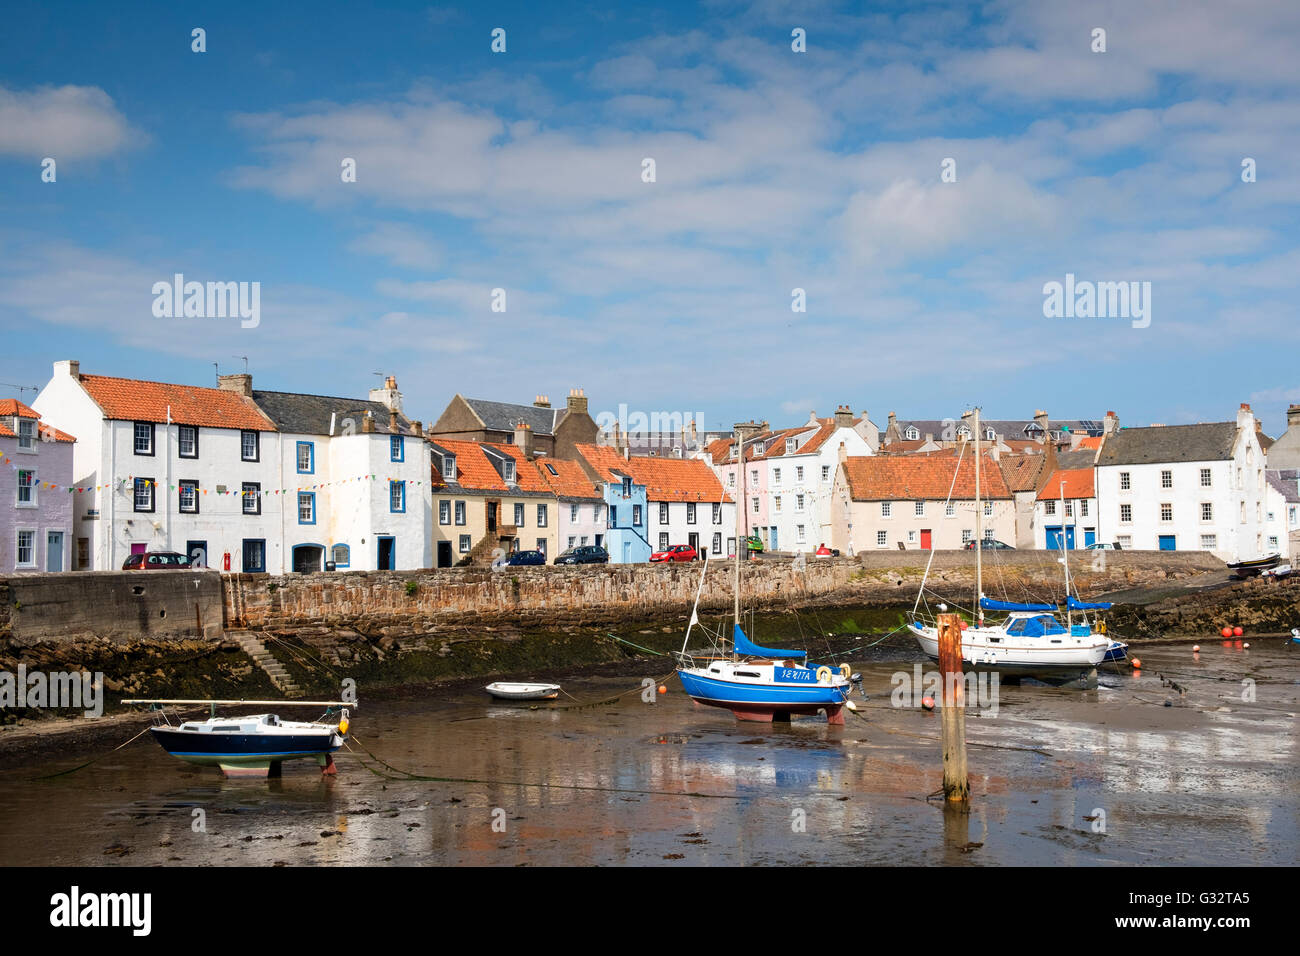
x=1031, y=641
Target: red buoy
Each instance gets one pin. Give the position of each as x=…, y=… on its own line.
x=1226, y=632
x=927, y=703
x=1237, y=632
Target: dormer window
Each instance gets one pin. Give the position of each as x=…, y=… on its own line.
x=758, y=449
x=449, y=467
x=963, y=431
x=912, y=434
x=26, y=434
x=508, y=469
x=627, y=487
x=990, y=434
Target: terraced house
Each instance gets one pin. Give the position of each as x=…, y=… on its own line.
x=686, y=504
x=36, y=510
x=626, y=521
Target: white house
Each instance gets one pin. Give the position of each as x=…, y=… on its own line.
x=801, y=477
x=1185, y=488
x=1065, y=511
x=206, y=472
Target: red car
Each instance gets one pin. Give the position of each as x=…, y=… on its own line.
x=678, y=552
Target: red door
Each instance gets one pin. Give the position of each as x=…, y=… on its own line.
x=925, y=539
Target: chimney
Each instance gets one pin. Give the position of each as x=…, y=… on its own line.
x=417, y=429
x=1110, y=425
x=929, y=437
x=71, y=367
x=388, y=396
x=813, y=422
x=368, y=422
x=577, y=401
x=843, y=417
x=1244, y=415
x=542, y=401
x=844, y=453
x=392, y=422
x=241, y=384
x=524, y=439
x=1041, y=419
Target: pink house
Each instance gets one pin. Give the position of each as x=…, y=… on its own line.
x=36, y=532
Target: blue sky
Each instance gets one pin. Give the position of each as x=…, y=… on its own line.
x=775, y=170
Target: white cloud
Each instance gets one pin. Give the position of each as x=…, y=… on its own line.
x=63, y=122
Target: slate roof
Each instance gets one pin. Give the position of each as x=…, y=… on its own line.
x=1286, y=481
x=1079, y=483
x=921, y=477
x=1156, y=444
x=301, y=414
x=503, y=416
x=128, y=399
x=1005, y=427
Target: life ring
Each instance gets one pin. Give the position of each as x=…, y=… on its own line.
x=823, y=675
x=846, y=670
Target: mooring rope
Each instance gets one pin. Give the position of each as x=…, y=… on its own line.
x=64, y=773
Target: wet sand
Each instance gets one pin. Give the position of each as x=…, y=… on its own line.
x=1211, y=780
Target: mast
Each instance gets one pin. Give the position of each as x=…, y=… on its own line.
x=740, y=514
x=979, y=530
x=1065, y=560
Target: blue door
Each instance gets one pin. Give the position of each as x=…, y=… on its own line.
x=773, y=545
x=1089, y=537
x=627, y=552
x=1167, y=543
x=1055, y=535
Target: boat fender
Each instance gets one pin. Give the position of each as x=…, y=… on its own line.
x=846, y=671
x=343, y=727
x=1101, y=628
x=823, y=675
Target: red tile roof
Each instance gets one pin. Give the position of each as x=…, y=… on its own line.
x=921, y=477
x=675, y=479
x=604, y=460
x=473, y=470
x=526, y=474
x=128, y=399
x=1088, y=443
x=10, y=407
x=1079, y=483
x=1022, y=471
x=570, y=481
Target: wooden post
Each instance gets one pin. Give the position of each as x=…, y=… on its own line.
x=956, y=785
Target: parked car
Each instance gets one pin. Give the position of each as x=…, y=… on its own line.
x=990, y=545
x=584, y=554
x=519, y=558
x=678, y=552
x=1103, y=546
x=825, y=552
x=754, y=543
x=157, y=561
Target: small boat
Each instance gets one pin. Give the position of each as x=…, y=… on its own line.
x=1246, y=569
x=251, y=746
x=506, y=690
x=1277, y=573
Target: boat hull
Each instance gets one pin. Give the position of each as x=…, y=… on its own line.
x=767, y=702
x=248, y=755
x=1064, y=663
x=506, y=691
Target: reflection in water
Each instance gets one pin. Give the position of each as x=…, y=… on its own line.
x=670, y=782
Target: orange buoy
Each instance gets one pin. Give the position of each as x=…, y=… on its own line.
x=1137, y=663
x=927, y=703
x=663, y=689
x=964, y=625
x=1237, y=631
x=1226, y=632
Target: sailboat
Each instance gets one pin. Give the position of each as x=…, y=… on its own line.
x=1031, y=641
x=759, y=683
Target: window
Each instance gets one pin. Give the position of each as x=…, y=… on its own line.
x=777, y=503
x=731, y=480
x=444, y=512
x=663, y=540
x=988, y=509
x=595, y=512
x=1049, y=506
x=189, y=501
x=341, y=555
x=519, y=515
x=753, y=478
x=1124, y=481
x=144, y=494
x=1207, y=511
x=1069, y=509
x=912, y=434
x=306, y=458
x=776, y=476
x=949, y=510
x=690, y=512
x=967, y=536
x=826, y=472
x=541, y=545
x=83, y=553
x=717, y=517
x=1209, y=542
x=254, y=555
x=911, y=537
x=449, y=467
x=252, y=495
x=26, y=434
x=26, y=549
x=572, y=539
x=541, y=515
x=1125, y=513
x=1125, y=541
x=249, y=446
x=143, y=432
x=1083, y=507
x=919, y=509
x=636, y=515
x=464, y=544
x=886, y=509
x=663, y=512
x=798, y=473
x=1206, y=480
x=988, y=534
x=613, y=516
x=799, y=533
x=573, y=512
x=460, y=512
x=397, y=497
x=1272, y=541
x=755, y=509
x=508, y=469
x=798, y=502
x=1166, y=511
x=26, y=489
x=396, y=448
x=187, y=441
x=717, y=542
x=307, y=507
x=1166, y=479
x=882, y=539
x=627, y=487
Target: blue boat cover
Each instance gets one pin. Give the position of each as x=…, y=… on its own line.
x=990, y=605
x=748, y=648
x=1074, y=604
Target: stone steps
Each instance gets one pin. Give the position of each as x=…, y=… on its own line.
x=251, y=644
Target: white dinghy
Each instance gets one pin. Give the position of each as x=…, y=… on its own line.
x=508, y=690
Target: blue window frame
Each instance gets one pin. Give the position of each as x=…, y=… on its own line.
x=397, y=497
x=306, y=507
x=306, y=458
x=341, y=555
x=396, y=448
